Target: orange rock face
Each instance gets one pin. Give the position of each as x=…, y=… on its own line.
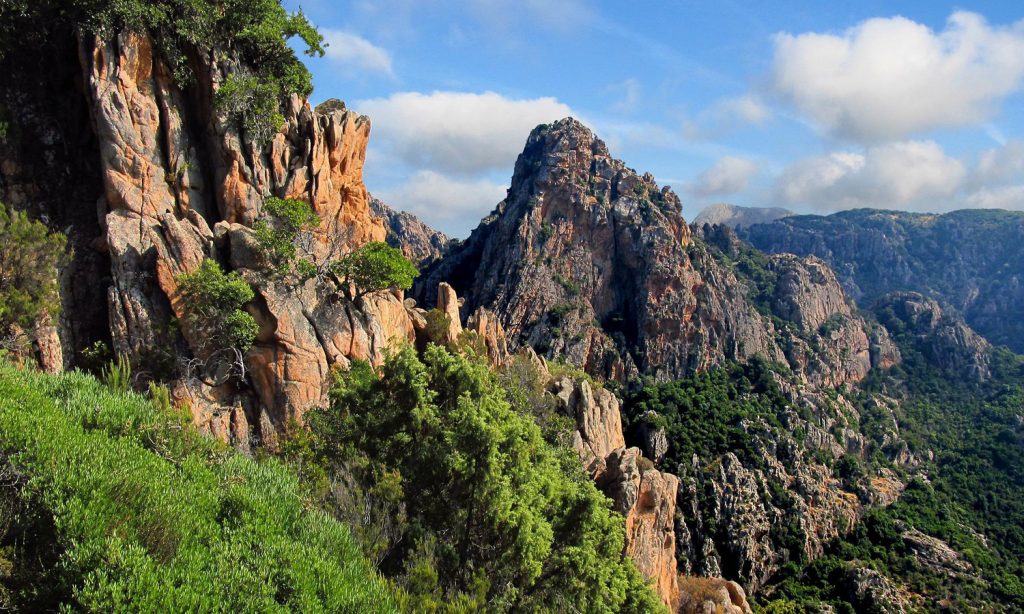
x=160, y=205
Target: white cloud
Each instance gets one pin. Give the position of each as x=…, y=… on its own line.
x=725, y=116
x=906, y=174
x=1004, y=197
x=456, y=132
x=629, y=95
x=1004, y=163
x=355, y=54
x=887, y=78
x=448, y=204
x=743, y=108
x=728, y=175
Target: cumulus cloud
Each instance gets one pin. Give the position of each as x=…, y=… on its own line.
x=457, y=132
x=451, y=205
x=888, y=78
x=725, y=116
x=905, y=174
x=355, y=54
x=1003, y=197
x=728, y=175
x=1004, y=163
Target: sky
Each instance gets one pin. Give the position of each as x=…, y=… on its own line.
x=812, y=106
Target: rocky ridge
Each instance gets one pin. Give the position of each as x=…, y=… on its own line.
x=588, y=262
x=970, y=261
x=420, y=243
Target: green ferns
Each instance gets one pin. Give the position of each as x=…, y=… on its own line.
x=149, y=516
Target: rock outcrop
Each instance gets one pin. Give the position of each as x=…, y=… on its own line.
x=420, y=243
x=946, y=340
x=183, y=184
x=588, y=261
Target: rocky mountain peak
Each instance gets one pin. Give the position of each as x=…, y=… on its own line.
x=590, y=262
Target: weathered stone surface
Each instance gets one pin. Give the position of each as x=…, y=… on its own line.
x=873, y=592
x=597, y=416
x=711, y=596
x=487, y=326
x=647, y=498
x=935, y=554
x=161, y=199
x=448, y=304
x=944, y=338
x=420, y=243
x=588, y=261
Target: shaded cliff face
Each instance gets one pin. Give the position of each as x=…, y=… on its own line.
x=420, y=243
x=971, y=261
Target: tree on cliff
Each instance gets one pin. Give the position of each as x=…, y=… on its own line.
x=373, y=267
x=253, y=33
x=29, y=258
x=213, y=302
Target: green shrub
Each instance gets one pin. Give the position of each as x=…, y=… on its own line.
x=150, y=516
x=117, y=375
x=373, y=267
x=285, y=224
x=502, y=513
x=213, y=301
x=29, y=258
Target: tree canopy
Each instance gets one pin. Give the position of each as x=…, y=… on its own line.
x=496, y=514
x=29, y=259
x=374, y=266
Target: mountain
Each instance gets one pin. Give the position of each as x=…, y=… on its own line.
x=737, y=217
x=588, y=404
x=971, y=261
x=587, y=261
x=419, y=242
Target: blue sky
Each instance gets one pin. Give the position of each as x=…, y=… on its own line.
x=813, y=106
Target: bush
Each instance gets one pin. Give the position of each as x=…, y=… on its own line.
x=286, y=226
x=373, y=267
x=494, y=509
x=146, y=515
x=29, y=258
x=213, y=302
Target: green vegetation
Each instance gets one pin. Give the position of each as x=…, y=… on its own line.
x=372, y=267
x=285, y=227
x=213, y=301
x=29, y=258
x=493, y=516
x=112, y=502
x=253, y=32
x=709, y=413
x=973, y=499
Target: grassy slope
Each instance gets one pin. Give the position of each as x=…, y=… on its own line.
x=151, y=516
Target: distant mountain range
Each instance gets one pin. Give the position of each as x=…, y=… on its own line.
x=971, y=261
x=739, y=217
